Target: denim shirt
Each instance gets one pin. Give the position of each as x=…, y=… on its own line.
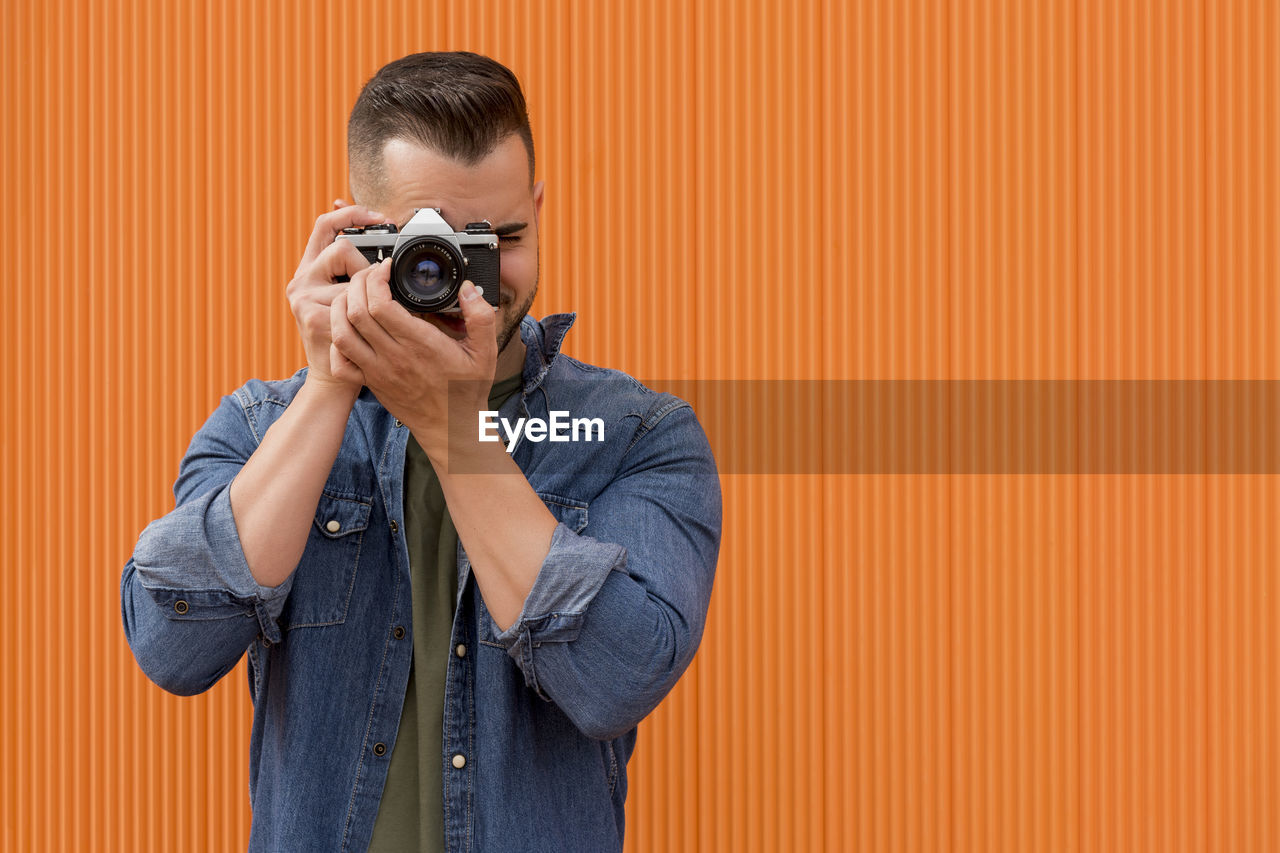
x=540, y=719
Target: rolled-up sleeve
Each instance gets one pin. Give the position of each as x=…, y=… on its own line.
x=189, y=603
x=617, y=611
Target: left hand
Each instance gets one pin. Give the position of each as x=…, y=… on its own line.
x=417, y=372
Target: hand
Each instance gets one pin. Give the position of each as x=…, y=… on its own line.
x=419, y=373
x=313, y=289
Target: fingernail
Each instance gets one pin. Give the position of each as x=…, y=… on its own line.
x=470, y=291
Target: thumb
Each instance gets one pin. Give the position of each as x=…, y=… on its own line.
x=478, y=316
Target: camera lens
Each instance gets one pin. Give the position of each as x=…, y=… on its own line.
x=425, y=275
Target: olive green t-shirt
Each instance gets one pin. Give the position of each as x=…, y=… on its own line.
x=411, y=813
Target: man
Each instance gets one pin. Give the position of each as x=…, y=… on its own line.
x=439, y=659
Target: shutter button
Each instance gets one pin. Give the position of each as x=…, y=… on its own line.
x=333, y=526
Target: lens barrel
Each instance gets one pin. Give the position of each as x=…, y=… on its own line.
x=426, y=274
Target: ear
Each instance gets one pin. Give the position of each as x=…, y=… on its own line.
x=537, y=199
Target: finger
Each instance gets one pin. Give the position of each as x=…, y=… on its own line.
x=382, y=305
x=480, y=321
x=325, y=294
x=346, y=339
x=340, y=203
x=342, y=368
x=302, y=294
x=339, y=258
x=330, y=225
x=359, y=309
x=378, y=285
x=393, y=317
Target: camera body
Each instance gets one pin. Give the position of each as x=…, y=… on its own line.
x=430, y=261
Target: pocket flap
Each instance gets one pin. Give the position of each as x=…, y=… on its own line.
x=338, y=516
x=569, y=512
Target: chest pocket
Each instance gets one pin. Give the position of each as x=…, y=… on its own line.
x=569, y=512
x=326, y=577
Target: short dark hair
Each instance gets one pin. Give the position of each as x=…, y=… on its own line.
x=459, y=104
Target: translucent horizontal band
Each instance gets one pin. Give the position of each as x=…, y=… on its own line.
x=988, y=426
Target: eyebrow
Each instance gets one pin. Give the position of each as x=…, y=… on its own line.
x=510, y=228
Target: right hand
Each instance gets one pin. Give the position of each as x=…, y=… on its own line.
x=313, y=288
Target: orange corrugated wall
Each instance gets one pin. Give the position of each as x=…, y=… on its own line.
x=969, y=190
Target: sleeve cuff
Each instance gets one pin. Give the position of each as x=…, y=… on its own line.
x=571, y=575
x=193, y=565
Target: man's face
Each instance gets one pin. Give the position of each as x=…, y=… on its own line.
x=496, y=189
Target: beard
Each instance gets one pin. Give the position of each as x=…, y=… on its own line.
x=512, y=318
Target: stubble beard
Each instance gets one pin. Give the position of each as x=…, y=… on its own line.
x=512, y=325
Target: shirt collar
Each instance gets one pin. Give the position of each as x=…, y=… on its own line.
x=542, y=341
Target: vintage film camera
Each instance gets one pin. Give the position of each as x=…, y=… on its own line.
x=430, y=261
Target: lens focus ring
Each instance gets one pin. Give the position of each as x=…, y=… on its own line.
x=426, y=274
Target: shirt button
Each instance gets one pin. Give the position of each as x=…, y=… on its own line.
x=398, y=633
x=394, y=527
x=461, y=650
x=180, y=606
x=333, y=526
x=379, y=748
x=459, y=761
